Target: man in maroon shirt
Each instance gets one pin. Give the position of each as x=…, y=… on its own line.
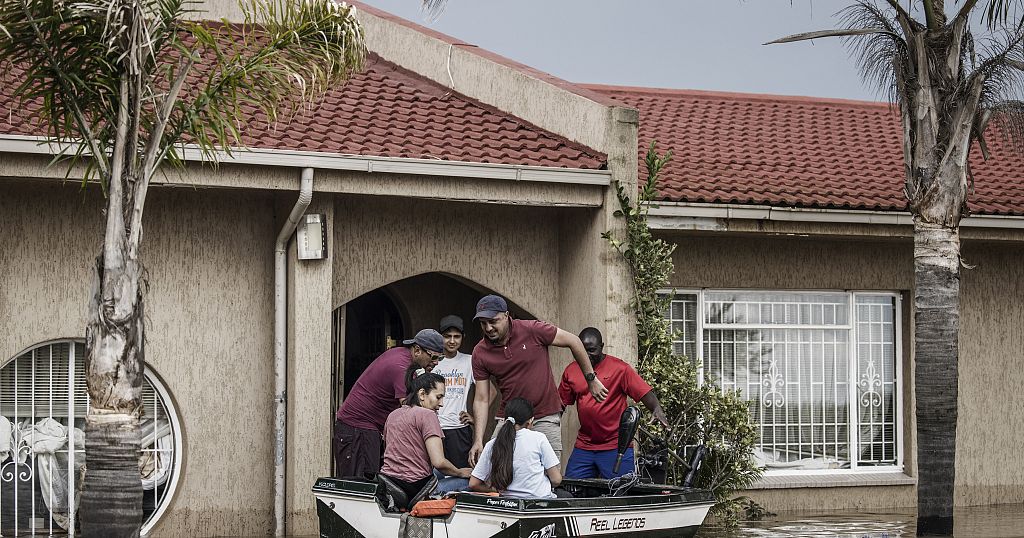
x=378, y=391
x=595, y=452
x=514, y=355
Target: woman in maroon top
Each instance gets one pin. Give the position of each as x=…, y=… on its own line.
x=412, y=436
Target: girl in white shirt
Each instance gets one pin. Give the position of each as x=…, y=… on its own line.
x=518, y=462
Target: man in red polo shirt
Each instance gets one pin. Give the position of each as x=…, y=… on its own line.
x=598, y=439
x=513, y=354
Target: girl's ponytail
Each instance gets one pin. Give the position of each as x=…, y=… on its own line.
x=415, y=380
x=518, y=412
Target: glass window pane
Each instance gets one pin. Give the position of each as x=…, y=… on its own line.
x=876, y=380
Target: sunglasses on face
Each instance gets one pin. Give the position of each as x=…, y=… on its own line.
x=431, y=354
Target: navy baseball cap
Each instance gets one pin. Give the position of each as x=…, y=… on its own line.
x=451, y=322
x=490, y=306
x=427, y=339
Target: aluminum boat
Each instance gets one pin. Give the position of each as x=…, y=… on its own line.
x=351, y=509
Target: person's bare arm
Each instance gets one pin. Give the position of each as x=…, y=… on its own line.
x=466, y=417
x=571, y=341
x=435, y=449
x=481, y=407
x=475, y=484
x=650, y=401
x=554, y=475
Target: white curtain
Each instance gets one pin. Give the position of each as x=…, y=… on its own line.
x=44, y=439
x=47, y=441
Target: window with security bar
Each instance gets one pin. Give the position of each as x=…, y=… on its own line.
x=820, y=370
x=43, y=404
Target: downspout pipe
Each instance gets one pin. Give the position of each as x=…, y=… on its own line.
x=281, y=345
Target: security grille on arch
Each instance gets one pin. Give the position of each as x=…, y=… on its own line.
x=43, y=404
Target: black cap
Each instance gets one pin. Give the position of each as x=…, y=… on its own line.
x=449, y=322
x=490, y=306
x=427, y=339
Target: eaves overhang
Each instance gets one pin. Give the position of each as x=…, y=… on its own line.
x=357, y=163
x=670, y=215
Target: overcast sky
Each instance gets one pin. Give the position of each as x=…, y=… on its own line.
x=693, y=44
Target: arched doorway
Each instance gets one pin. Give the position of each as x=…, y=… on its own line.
x=368, y=325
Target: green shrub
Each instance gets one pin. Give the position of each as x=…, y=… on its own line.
x=701, y=413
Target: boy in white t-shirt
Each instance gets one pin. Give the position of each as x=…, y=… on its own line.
x=457, y=370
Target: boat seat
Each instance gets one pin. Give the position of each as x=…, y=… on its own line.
x=393, y=499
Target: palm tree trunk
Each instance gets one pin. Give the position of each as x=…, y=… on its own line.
x=936, y=352
x=111, y=503
x=112, y=493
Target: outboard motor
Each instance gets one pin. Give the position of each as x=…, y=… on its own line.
x=695, y=463
x=628, y=424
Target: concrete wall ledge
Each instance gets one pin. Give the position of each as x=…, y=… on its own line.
x=788, y=481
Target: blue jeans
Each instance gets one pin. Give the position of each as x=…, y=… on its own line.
x=598, y=463
x=447, y=484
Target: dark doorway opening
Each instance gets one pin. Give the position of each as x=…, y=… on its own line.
x=373, y=324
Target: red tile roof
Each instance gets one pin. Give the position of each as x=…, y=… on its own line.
x=796, y=152
x=385, y=111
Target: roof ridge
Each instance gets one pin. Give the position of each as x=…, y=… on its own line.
x=572, y=87
x=609, y=88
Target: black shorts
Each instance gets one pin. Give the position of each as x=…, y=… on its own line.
x=356, y=451
x=457, y=443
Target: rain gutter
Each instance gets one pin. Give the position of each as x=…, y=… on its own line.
x=281, y=345
x=288, y=158
x=703, y=216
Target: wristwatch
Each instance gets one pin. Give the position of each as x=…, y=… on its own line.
x=589, y=377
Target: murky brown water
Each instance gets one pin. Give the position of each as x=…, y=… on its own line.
x=1002, y=521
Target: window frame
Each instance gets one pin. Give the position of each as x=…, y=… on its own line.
x=159, y=387
x=851, y=326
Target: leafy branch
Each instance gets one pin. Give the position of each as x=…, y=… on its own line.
x=701, y=412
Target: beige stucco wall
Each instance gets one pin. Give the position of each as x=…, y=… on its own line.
x=989, y=462
x=512, y=250
x=208, y=256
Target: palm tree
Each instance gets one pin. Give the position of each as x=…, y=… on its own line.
x=947, y=94
x=110, y=77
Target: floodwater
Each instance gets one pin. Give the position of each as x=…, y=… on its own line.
x=1001, y=521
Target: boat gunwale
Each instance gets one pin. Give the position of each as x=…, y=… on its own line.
x=526, y=507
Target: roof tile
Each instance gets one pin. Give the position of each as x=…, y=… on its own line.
x=795, y=151
x=384, y=111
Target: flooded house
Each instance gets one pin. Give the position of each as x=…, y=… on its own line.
x=444, y=172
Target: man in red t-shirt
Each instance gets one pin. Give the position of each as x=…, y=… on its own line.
x=597, y=441
x=514, y=355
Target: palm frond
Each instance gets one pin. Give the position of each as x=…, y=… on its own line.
x=1003, y=73
x=1002, y=68
x=75, y=55
x=434, y=8
x=997, y=12
x=882, y=56
x=818, y=34
x=287, y=55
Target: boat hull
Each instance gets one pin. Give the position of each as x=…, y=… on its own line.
x=349, y=510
